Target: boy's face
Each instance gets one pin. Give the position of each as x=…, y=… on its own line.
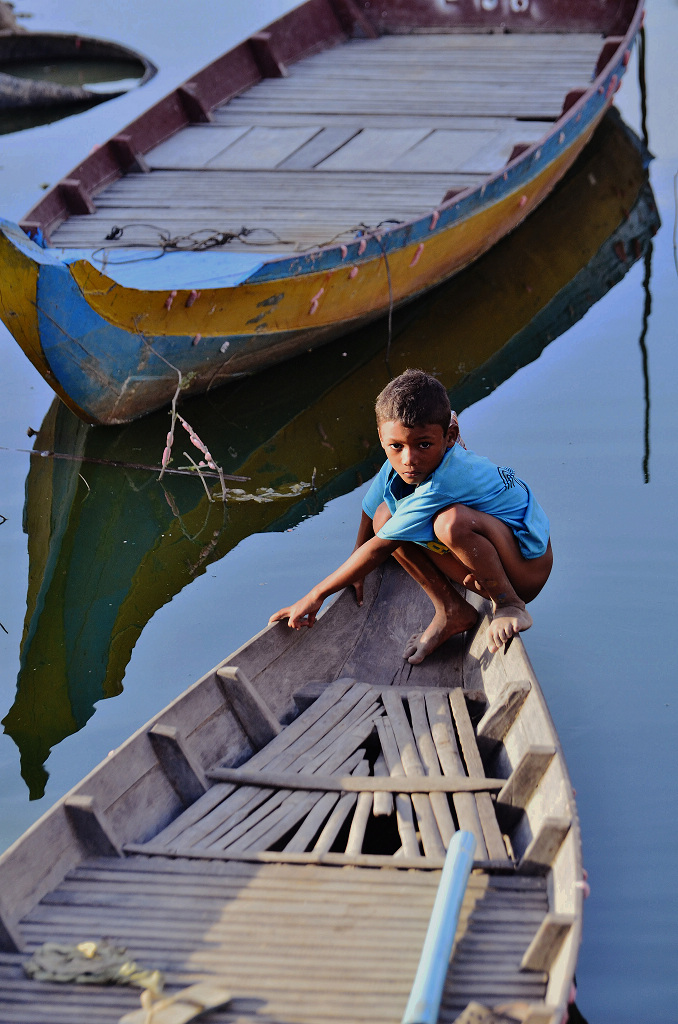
x=414, y=452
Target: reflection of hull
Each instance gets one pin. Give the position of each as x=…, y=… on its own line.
x=380, y=187
x=81, y=625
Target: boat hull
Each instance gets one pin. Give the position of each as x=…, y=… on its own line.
x=149, y=808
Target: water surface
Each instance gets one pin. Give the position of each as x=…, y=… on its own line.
x=590, y=423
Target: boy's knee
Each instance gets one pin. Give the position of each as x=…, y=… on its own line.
x=451, y=522
x=381, y=516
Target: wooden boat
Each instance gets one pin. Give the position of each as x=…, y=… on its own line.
x=320, y=174
x=281, y=827
x=279, y=431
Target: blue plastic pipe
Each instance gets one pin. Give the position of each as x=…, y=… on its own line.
x=427, y=990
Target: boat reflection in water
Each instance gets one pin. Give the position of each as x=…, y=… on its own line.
x=109, y=543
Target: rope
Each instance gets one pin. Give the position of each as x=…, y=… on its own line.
x=192, y=242
x=198, y=241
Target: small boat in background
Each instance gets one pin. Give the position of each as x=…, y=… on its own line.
x=308, y=420
x=280, y=831
x=321, y=174
x=41, y=70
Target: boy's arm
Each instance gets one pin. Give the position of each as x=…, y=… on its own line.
x=363, y=560
x=365, y=532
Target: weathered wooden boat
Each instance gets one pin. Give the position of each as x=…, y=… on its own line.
x=281, y=827
x=35, y=68
x=323, y=172
x=307, y=419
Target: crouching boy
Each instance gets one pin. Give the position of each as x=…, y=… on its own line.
x=445, y=514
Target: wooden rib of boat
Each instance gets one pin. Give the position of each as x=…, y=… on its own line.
x=321, y=173
x=310, y=418
x=280, y=830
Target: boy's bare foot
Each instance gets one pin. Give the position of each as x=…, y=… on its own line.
x=440, y=629
x=507, y=622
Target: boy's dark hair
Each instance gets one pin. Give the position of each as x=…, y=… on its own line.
x=414, y=399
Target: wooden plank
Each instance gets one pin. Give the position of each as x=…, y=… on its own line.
x=493, y=838
x=312, y=824
x=335, y=823
x=414, y=769
x=210, y=812
x=497, y=151
x=169, y=869
x=501, y=714
x=196, y=812
x=442, y=732
x=183, y=1006
x=356, y=835
x=318, y=148
x=383, y=802
x=235, y=820
x=194, y=146
x=90, y=827
x=421, y=784
x=546, y=944
x=229, y=117
x=373, y=149
x=429, y=756
x=262, y=148
x=525, y=777
x=259, y=723
x=369, y=860
x=291, y=810
x=346, y=734
x=230, y=827
x=275, y=825
x=403, y=803
x=446, y=150
x=184, y=773
x=540, y=1013
x=308, y=732
x=541, y=851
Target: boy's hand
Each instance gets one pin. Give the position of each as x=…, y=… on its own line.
x=302, y=613
x=358, y=588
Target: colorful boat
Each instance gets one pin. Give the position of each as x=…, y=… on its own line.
x=309, y=419
x=279, y=833
x=314, y=178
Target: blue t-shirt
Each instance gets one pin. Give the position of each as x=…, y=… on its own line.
x=462, y=478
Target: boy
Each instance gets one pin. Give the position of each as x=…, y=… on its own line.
x=445, y=514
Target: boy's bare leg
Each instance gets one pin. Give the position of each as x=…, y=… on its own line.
x=495, y=567
x=452, y=614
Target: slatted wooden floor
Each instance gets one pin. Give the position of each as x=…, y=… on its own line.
x=369, y=132
x=291, y=943
x=350, y=729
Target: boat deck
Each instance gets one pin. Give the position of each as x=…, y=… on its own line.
x=292, y=943
x=298, y=895
x=366, y=134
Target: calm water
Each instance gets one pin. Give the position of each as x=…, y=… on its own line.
x=153, y=599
